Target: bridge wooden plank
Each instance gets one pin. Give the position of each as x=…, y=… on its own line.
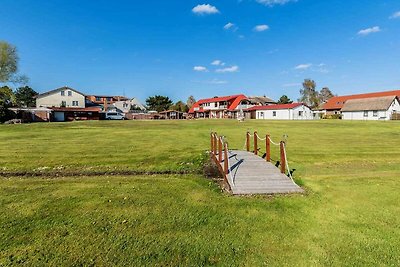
x=253, y=175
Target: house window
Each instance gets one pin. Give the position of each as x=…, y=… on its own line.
x=300, y=113
x=273, y=113
x=365, y=113
x=63, y=104
x=75, y=103
x=69, y=93
x=125, y=105
x=216, y=104
x=98, y=98
x=375, y=113
x=63, y=93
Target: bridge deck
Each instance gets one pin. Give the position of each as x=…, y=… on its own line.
x=251, y=174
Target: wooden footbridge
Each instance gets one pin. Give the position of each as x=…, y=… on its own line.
x=245, y=172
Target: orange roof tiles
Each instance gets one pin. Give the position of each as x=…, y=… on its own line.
x=337, y=102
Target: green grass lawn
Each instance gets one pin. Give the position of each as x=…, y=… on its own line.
x=349, y=216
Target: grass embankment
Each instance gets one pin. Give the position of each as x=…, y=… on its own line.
x=349, y=216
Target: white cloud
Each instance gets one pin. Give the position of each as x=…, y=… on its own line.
x=205, y=9
x=228, y=69
x=395, y=15
x=368, y=31
x=274, y=2
x=303, y=66
x=217, y=62
x=261, y=28
x=229, y=26
x=200, y=69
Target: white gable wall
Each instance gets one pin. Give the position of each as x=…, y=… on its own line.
x=286, y=114
x=55, y=99
x=381, y=115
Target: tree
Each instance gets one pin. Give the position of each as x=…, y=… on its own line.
x=284, y=100
x=9, y=65
x=325, y=94
x=190, y=101
x=7, y=98
x=158, y=103
x=24, y=97
x=180, y=106
x=8, y=61
x=309, y=95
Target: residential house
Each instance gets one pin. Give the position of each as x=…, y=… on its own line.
x=335, y=104
x=294, y=111
x=65, y=104
x=129, y=105
x=219, y=107
x=374, y=108
x=61, y=97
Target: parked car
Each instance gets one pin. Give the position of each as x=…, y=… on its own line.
x=115, y=116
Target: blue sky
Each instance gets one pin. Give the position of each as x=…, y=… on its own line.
x=258, y=47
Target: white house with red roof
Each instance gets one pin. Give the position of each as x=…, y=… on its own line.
x=335, y=104
x=219, y=107
x=294, y=111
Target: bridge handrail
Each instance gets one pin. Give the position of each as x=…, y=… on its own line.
x=284, y=164
x=220, y=144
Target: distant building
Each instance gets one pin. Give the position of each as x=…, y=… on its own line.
x=260, y=101
x=101, y=99
x=219, y=107
x=335, y=104
x=374, y=108
x=128, y=105
x=173, y=115
x=61, y=97
x=294, y=111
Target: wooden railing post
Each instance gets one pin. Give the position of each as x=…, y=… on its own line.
x=215, y=144
x=248, y=141
x=226, y=166
x=212, y=142
x=283, y=158
x=219, y=150
x=268, y=148
x=255, y=143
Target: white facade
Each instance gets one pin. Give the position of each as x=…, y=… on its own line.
x=372, y=115
x=62, y=97
x=298, y=113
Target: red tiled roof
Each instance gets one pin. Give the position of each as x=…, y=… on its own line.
x=275, y=107
x=236, y=101
x=337, y=102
